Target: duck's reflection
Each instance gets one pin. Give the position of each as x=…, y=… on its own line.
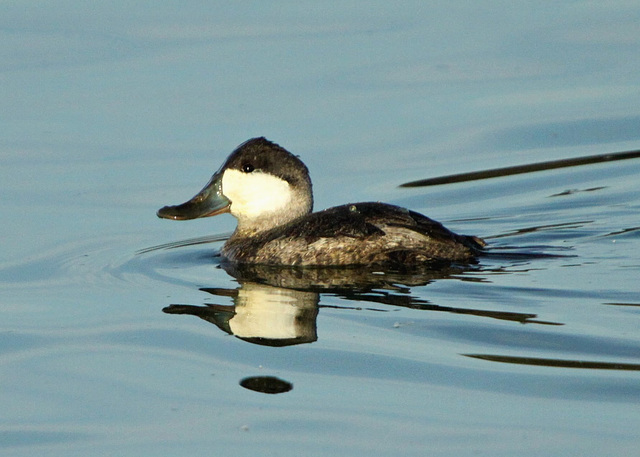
x=261, y=314
x=278, y=306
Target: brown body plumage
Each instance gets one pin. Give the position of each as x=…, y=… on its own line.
x=355, y=234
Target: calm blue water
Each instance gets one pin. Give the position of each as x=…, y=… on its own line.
x=111, y=111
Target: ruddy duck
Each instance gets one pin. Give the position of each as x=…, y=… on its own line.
x=268, y=190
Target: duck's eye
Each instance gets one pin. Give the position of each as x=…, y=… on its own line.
x=247, y=168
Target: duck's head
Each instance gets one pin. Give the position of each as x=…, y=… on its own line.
x=261, y=184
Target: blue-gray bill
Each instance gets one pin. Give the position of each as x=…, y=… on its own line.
x=208, y=202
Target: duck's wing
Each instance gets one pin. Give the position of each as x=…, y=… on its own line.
x=345, y=220
x=420, y=223
x=395, y=216
x=364, y=220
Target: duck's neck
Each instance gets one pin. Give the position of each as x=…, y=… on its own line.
x=298, y=206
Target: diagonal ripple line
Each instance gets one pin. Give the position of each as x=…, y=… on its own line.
x=520, y=169
x=185, y=243
x=584, y=364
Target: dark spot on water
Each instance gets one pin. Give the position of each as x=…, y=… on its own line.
x=266, y=384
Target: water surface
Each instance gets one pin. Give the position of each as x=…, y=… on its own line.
x=121, y=335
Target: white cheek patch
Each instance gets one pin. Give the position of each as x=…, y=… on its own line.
x=255, y=194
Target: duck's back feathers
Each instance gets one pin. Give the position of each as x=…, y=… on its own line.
x=355, y=234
